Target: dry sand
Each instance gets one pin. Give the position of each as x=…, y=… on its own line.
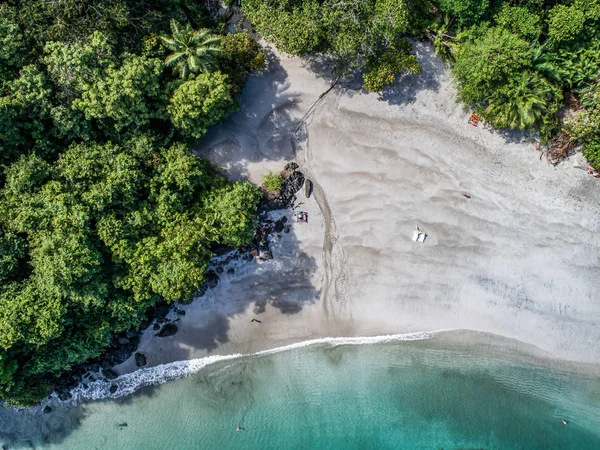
x=519, y=259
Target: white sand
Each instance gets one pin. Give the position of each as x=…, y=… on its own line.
x=519, y=259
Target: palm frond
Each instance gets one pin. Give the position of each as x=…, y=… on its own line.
x=174, y=58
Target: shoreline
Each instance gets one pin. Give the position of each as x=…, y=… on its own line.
x=497, y=264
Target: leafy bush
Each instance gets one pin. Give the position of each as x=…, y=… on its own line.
x=520, y=21
x=240, y=55
x=565, y=23
x=386, y=64
x=199, y=103
x=477, y=79
x=272, y=182
x=468, y=12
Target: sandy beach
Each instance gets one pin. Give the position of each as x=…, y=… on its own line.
x=518, y=259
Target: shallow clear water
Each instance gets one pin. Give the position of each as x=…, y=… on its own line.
x=399, y=395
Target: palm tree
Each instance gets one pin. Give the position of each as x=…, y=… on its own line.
x=193, y=51
x=521, y=104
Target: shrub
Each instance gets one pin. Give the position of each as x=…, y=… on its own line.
x=519, y=20
x=467, y=12
x=272, y=182
x=565, y=23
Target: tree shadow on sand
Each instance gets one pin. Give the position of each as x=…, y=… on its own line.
x=284, y=283
x=260, y=130
x=403, y=91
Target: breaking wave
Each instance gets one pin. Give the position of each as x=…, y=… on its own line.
x=131, y=382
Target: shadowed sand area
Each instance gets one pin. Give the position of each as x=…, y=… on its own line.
x=517, y=259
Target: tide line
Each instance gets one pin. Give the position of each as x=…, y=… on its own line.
x=131, y=382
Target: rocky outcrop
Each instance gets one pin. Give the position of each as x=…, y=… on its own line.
x=140, y=359
x=167, y=330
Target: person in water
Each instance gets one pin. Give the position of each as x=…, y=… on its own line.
x=564, y=422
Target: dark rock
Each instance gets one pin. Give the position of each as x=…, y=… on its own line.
x=187, y=301
x=220, y=269
x=124, y=424
x=212, y=279
x=156, y=326
x=113, y=388
x=284, y=219
x=267, y=255
x=294, y=182
x=254, y=252
x=167, y=330
x=109, y=373
x=278, y=226
x=65, y=395
x=181, y=312
x=93, y=368
x=134, y=342
x=243, y=249
x=202, y=290
x=143, y=325
x=308, y=188
x=121, y=355
x=286, y=229
x=47, y=409
x=230, y=271
x=264, y=245
x=91, y=379
x=106, y=364
x=131, y=333
x=291, y=166
x=161, y=311
x=76, y=378
x=140, y=359
x=124, y=341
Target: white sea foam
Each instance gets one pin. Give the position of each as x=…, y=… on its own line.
x=131, y=382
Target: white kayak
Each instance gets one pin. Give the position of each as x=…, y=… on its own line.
x=419, y=235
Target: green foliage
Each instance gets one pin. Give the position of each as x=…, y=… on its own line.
x=272, y=182
x=520, y=21
x=240, y=55
x=200, y=103
x=192, y=51
x=103, y=233
x=584, y=126
x=477, y=77
x=11, y=45
x=565, y=23
x=521, y=103
x=102, y=210
x=468, y=12
x=385, y=65
x=295, y=27
x=124, y=95
x=350, y=32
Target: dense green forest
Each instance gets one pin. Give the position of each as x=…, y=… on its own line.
x=103, y=207
x=516, y=62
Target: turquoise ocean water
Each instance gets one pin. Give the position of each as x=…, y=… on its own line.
x=402, y=395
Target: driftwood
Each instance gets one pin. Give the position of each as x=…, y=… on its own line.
x=560, y=148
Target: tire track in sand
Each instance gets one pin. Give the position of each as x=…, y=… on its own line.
x=336, y=273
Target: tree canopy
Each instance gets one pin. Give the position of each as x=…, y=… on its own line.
x=104, y=210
